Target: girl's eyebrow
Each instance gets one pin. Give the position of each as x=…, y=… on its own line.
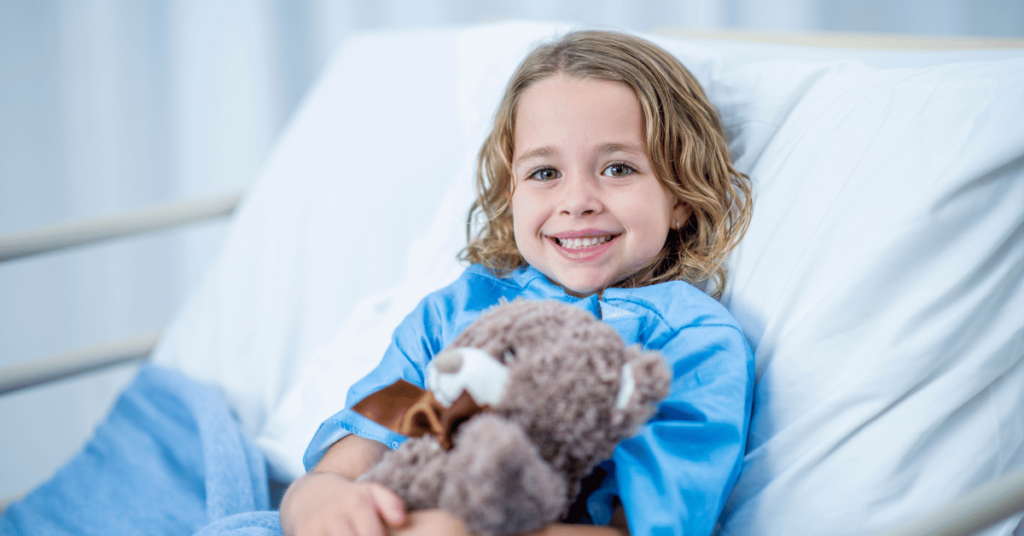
x=540, y=152
x=608, y=148
x=623, y=148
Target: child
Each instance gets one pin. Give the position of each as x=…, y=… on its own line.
x=607, y=183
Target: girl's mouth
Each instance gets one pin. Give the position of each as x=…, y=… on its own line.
x=583, y=242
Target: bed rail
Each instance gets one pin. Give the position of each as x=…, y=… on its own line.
x=879, y=41
x=971, y=513
x=73, y=234
x=66, y=235
x=76, y=362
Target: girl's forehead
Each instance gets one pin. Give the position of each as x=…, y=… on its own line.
x=562, y=87
x=562, y=109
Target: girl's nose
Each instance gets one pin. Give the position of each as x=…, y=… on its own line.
x=580, y=196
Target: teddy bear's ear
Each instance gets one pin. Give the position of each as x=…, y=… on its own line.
x=645, y=381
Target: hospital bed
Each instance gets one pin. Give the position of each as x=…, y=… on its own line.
x=881, y=283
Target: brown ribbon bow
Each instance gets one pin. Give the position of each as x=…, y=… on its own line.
x=414, y=412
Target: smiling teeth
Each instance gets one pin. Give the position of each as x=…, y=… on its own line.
x=578, y=243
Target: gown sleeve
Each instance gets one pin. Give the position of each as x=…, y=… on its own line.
x=415, y=341
x=675, y=475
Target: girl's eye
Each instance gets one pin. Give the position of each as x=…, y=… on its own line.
x=546, y=174
x=618, y=170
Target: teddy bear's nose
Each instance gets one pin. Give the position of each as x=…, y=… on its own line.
x=449, y=362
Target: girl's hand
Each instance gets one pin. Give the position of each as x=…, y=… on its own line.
x=431, y=523
x=322, y=503
x=329, y=501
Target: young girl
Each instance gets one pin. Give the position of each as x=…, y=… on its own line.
x=606, y=183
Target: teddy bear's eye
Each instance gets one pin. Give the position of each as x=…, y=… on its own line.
x=508, y=356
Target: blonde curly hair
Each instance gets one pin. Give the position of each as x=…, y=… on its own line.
x=686, y=147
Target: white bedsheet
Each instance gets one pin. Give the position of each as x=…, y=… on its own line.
x=880, y=282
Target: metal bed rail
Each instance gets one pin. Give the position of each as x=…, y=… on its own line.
x=68, y=364
x=66, y=235
x=74, y=234
x=971, y=513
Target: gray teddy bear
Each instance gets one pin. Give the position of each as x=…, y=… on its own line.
x=554, y=390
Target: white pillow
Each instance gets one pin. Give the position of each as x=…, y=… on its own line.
x=879, y=282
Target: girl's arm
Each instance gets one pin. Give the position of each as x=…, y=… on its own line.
x=617, y=527
x=327, y=500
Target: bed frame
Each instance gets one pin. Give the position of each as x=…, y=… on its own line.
x=971, y=513
x=80, y=233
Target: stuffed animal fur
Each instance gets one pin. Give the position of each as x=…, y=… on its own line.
x=561, y=391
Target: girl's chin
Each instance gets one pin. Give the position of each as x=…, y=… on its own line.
x=582, y=289
x=578, y=294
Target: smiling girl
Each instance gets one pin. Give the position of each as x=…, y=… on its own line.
x=606, y=183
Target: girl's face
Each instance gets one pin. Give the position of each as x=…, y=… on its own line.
x=587, y=208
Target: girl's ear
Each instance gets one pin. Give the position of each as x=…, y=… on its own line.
x=680, y=214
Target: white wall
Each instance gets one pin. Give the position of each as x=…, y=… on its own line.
x=109, y=105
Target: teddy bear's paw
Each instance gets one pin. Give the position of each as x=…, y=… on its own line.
x=414, y=471
x=498, y=484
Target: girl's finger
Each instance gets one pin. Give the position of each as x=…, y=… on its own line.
x=389, y=505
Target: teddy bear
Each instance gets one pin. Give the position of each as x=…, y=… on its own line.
x=517, y=411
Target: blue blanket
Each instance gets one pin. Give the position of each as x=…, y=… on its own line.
x=169, y=459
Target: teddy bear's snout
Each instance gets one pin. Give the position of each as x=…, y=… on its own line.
x=466, y=369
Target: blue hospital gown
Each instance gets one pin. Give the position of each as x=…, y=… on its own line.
x=674, y=476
